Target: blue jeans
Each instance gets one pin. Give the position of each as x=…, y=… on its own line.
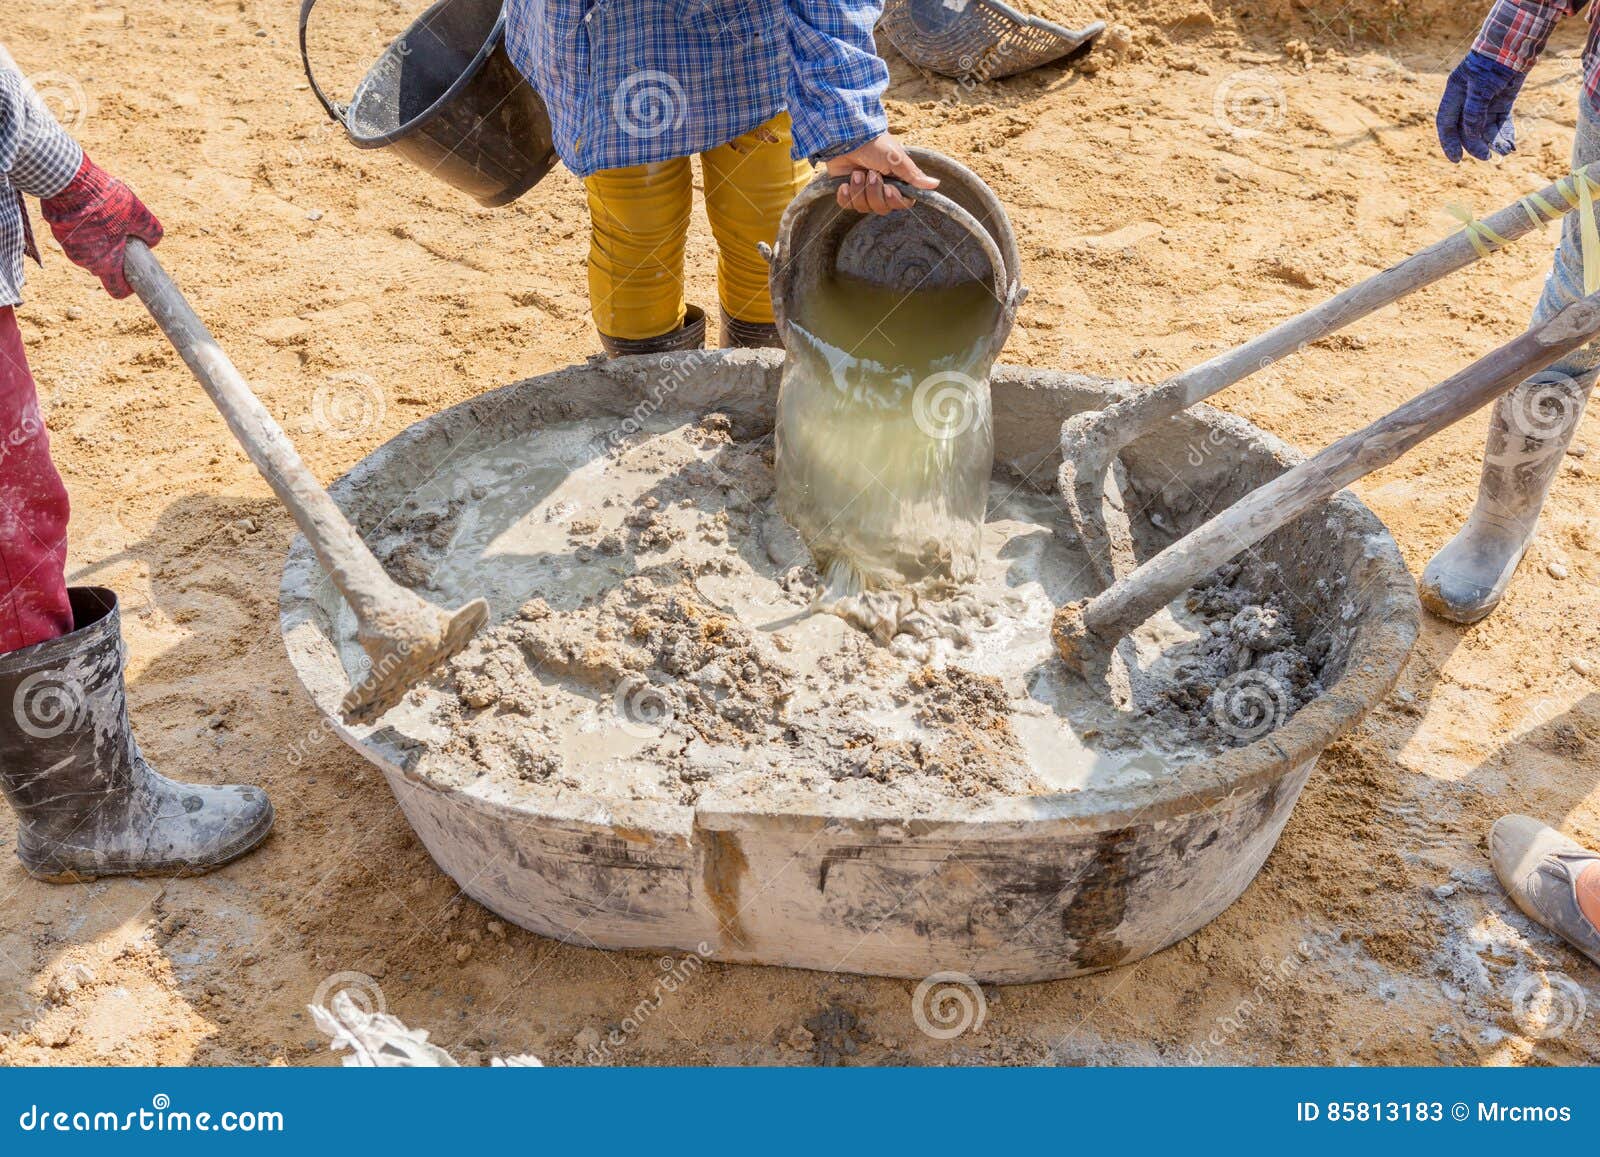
x=1564, y=285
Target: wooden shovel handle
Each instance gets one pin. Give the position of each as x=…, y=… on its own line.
x=1133, y=599
x=345, y=557
x=1125, y=420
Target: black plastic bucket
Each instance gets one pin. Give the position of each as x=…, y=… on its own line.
x=446, y=97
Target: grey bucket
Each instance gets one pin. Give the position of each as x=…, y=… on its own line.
x=446, y=97
x=955, y=234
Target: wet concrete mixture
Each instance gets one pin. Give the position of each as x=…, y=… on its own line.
x=669, y=643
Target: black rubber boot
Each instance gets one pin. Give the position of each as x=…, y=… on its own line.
x=691, y=335
x=87, y=803
x=738, y=334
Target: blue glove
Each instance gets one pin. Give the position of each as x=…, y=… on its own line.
x=1475, y=113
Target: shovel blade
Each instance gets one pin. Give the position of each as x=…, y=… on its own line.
x=398, y=664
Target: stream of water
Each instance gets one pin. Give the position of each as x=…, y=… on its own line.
x=885, y=437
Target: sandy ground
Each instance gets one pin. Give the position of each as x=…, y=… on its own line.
x=1237, y=170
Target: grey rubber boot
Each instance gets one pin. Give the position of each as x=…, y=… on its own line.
x=738, y=334
x=87, y=803
x=1539, y=868
x=1529, y=431
x=691, y=335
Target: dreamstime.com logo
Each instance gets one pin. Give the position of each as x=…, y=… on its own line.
x=947, y=405
x=66, y=99
x=1547, y=1006
x=346, y=406
x=160, y=1117
x=649, y=103
x=675, y=370
x=643, y=709
x=947, y=1004
x=1272, y=978
x=1544, y=407
x=1248, y=705
x=675, y=972
x=326, y=727
x=48, y=703
x=29, y=426
x=976, y=71
x=1250, y=103
x=364, y=992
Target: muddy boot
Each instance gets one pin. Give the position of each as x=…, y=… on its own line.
x=738, y=334
x=1529, y=431
x=87, y=803
x=691, y=335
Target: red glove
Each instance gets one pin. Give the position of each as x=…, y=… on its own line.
x=93, y=217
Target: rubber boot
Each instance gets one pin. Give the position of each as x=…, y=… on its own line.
x=738, y=334
x=691, y=335
x=87, y=803
x=1529, y=431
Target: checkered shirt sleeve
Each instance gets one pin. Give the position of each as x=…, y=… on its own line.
x=837, y=81
x=36, y=157
x=1515, y=32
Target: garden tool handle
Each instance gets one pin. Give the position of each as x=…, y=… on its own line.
x=910, y=192
x=1086, y=631
x=1125, y=420
x=344, y=556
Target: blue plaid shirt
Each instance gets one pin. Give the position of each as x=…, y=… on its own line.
x=629, y=82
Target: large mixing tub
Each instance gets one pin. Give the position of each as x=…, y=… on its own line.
x=1010, y=890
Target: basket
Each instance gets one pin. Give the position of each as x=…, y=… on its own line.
x=978, y=40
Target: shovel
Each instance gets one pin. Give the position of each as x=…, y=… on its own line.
x=1091, y=441
x=404, y=635
x=1086, y=631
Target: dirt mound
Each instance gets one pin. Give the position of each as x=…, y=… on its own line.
x=1360, y=21
x=1380, y=21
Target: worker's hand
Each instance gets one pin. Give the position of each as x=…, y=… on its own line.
x=1475, y=114
x=93, y=217
x=866, y=166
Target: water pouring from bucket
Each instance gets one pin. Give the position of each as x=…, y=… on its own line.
x=885, y=437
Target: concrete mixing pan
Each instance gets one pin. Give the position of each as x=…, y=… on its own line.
x=1005, y=889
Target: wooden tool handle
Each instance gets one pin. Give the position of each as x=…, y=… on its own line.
x=1157, y=582
x=338, y=547
x=1423, y=268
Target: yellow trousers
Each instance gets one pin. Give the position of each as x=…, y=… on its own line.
x=640, y=222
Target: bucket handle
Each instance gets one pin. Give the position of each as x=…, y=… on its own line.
x=333, y=110
x=1014, y=293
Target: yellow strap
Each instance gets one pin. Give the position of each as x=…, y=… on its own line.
x=1590, y=233
x=1477, y=232
x=1568, y=186
x=1540, y=211
x=1577, y=190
